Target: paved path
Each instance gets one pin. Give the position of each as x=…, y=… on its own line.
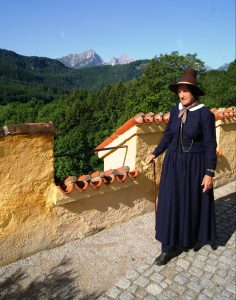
x=117, y=263
x=205, y=274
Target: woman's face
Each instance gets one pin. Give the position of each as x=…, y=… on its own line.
x=185, y=95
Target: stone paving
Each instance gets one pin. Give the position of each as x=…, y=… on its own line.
x=205, y=274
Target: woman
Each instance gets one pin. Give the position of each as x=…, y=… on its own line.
x=186, y=213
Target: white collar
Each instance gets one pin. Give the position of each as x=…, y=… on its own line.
x=193, y=108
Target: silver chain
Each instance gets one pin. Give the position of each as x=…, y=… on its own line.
x=181, y=140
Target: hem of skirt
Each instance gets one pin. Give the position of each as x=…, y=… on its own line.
x=211, y=242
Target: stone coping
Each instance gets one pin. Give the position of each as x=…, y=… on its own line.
x=27, y=128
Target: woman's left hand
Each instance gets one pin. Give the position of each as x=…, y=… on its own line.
x=207, y=183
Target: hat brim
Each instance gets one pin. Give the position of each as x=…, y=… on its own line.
x=197, y=90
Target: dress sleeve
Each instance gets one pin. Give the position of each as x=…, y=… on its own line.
x=166, y=139
x=209, y=142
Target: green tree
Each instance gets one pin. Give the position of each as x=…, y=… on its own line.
x=220, y=87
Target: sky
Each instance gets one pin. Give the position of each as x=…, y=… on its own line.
x=141, y=29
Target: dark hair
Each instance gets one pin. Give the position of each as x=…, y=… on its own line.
x=194, y=91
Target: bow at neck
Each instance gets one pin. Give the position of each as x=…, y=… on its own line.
x=184, y=111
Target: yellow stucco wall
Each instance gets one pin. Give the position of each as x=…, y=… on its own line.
x=27, y=189
x=226, y=163
x=29, y=219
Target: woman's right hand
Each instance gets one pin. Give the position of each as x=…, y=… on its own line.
x=150, y=158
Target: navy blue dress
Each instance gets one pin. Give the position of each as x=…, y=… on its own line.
x=185, y=214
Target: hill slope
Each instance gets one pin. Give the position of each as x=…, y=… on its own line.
x=23, y=78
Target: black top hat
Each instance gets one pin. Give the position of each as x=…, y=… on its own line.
x=189, y=78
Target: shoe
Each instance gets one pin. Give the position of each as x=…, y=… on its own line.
x=164, y=258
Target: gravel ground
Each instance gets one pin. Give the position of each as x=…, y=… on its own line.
x=86, y=268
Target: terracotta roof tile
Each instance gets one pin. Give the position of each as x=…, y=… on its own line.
x=166, y=117
x=96, y=179
x=108, y=176
x=67, y=185
x=82, y=183
x=220, y=113
x=136, y=120
x=158, y=118
x=149, y=117
x=223, y=112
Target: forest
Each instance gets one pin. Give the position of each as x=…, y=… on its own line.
x=23, y=77
x=84, y=117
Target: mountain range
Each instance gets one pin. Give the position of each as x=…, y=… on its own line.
x=90, y=58
x=224, y=67
x=26, y=77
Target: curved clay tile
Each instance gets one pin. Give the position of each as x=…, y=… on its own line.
x=95, y=174
x=139, y=118
x=222, y=112
x=166, y=117
x=148, y=118
x=67, y=185
x=136, y=120
x=233, y=110
x=133, y=173
x=158, y=118
x=82, y=183
x=231, y=113
x=96, y=180
x=108, y=176
x=121, y=173
x=226, y=113
x=121, y=177
x=114, y=136
x=219, y=115
x=106, y=142
x=213, y=109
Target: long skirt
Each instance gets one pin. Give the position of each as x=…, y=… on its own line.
x=185, y=214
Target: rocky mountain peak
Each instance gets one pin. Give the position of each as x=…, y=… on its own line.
x=87, y=58
x=224, y=67
x=90, y=58
x=114, y=61
x=88, y=54
x=125, y=59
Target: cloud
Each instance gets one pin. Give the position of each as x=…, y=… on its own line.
x=62, y=35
